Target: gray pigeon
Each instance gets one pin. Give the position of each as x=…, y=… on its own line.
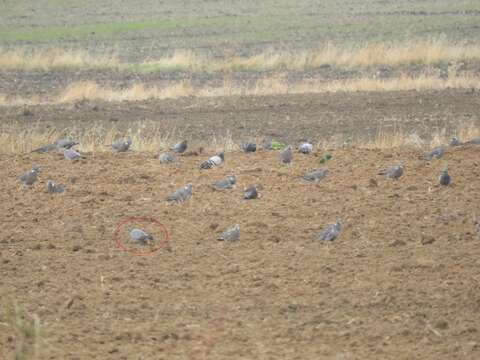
x=65, y=143
x=231, y=234
x=250, y=193
x=213, y=161
x=225, y=184
x=121, y=145
x=286, y=155
x=454, y=142
x=305, y=148
x=166, y=158
x=267, y=145
x=45, y=149
x=393, y=172
x=249, y=147
x=54, y=188
x=181, y=194
x=316, y=175
x=140, y=237
x=180, y=147
x=71, y=154
x=331, y=232
x=444, y=178
x=435, y=153
x=29, y=178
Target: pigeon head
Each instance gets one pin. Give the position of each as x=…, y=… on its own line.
x=232, y=179
x=189, y=188
x=36, y=168
x=222, y=156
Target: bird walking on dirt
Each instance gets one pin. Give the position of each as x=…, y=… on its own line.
x=54, y=188
x=231, y=234
x=30, y=177
x=224, y=184
x=393, y=172
x=286, y=155
x=213, y=161
x=248, y=147
x=435, y=153
x=250, y=193
x=181, y=194
x=166, y=158
x=454, y=142
x=316, y=175
x=331, y=232
x=180, y=147
x=140, y=237
x=71, y=154
x=305, y=147
x=444, y=178
x=65, y=143
x=121, y=145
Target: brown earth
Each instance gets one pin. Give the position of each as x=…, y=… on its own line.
x=335, y=117
x=401, y=282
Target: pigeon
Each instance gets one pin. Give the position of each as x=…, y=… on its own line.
x=305, y=148
x=140, y=237
x=393, y=172
x=454, y=142
x=444, y=178
x=476, y=222
x=181, y=194
x=29, y=178
x=331, y=232
x=166, y=158
x=71, y=154
x=267, y=145
x=286, y=155
x=45, y=149
x=249, y=147
x=121, y=145
x=231, y=234
x=316, y=175
x=474, y=141
x=65, y=143
x=54, y=188
x=250, y=193
x=225, y=184
x=435, y=153
x=213, y=161
x=180, y=147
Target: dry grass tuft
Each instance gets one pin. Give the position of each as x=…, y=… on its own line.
x=54, y=58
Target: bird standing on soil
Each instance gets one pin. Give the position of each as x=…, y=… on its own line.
x=181, y=194
x=225, y=184
x=393, y=172
x=71, y=154
x=121, y=145
x=305, y=148
x=454, y=142
x=166, y=159
x=53, y=188
x=213, y=161
x=435, y=153
x=231, y=234
x=331, y=232
x=180, y=147
x=250, y=193
x=444, y=178
x=65, y=143
x=140, y=237
x=30, y=177
x=248, y=147
x=286, y=155
x=316, y=175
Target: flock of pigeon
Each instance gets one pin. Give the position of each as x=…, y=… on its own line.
x=140, y=237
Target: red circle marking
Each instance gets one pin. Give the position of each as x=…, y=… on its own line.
x=122, y=246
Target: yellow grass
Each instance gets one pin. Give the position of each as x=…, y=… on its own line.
x=53, y=58
x=424, y=52
x=276, y=85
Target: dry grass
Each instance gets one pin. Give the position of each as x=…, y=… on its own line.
x=149, y=138
x=46, y=59
x=423, y=52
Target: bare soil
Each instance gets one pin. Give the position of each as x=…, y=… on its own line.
x=401, y=282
